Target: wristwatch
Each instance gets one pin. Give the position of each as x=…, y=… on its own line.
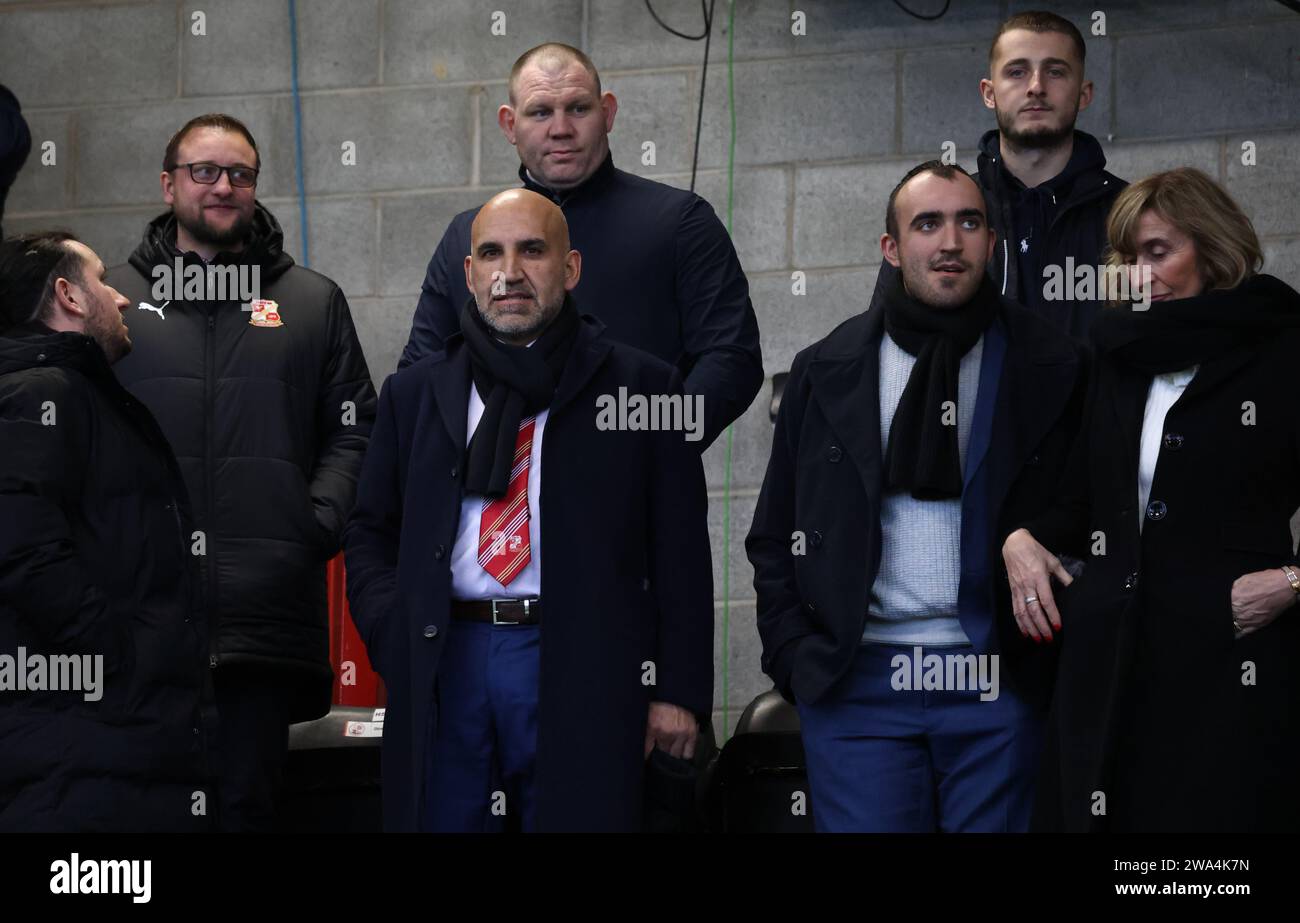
x=1289, y=570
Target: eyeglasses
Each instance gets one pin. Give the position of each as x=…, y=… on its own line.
x=210, y=173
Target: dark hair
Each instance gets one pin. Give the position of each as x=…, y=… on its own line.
x=1040, y=21
x=217, y=120
x=29, y=266
x=937, y=167
x=557, y=51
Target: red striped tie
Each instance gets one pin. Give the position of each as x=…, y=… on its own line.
x=503, y=530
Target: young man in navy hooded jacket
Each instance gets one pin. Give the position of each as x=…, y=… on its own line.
x=1045, y=182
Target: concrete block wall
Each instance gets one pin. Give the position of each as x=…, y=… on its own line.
x=826, y=123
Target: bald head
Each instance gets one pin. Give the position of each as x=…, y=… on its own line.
x=521, y=206
x=520, y=264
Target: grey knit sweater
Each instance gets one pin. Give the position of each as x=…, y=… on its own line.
x=914, y=598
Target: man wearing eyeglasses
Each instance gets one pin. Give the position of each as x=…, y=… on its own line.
x=252, y=367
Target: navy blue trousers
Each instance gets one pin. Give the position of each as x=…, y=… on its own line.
x=899, y=761
x=253, y=712
x=483, y=743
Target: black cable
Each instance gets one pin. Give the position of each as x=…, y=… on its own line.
x=690, y=38
x=704, y=73
x=707, y=35
x=938, y=15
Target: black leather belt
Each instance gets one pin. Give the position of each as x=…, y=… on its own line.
x=498, y=611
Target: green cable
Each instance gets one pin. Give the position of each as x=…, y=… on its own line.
x=726, y=497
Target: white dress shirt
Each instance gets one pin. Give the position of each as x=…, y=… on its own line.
x=1164, y=392
x=468, y=579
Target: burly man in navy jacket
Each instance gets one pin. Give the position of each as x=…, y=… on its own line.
x=662, y=273
x=531, y=576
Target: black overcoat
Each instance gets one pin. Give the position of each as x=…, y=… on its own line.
x=626, y=577
x=824, y=480
x=1152, y=682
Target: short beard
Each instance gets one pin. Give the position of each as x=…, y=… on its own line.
x=1034, y=140
x=103, y=328
x=525, y=334
x=206, y=234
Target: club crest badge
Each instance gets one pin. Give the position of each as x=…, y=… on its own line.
x=265, y=314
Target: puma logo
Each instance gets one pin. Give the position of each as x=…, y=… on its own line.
x=146, y=306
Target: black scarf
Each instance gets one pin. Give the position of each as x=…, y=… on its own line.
x=923, y=455
x=1177, y=334
x=514, y=382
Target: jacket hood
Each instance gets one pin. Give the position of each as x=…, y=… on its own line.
x=34, y=345
x=265, y=246
x=1086, y=157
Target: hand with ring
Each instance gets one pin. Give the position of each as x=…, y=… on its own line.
x=1030, y=569
x=1258, y=598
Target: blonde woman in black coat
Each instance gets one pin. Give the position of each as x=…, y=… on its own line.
x=1176, y=699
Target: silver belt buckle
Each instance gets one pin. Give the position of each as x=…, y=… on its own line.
x=497, y=621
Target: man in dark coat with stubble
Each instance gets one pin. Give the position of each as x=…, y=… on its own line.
x=96, y=570
x=529, y=571
x=907, y=440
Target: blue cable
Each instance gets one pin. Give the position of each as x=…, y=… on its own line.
x=297, y=131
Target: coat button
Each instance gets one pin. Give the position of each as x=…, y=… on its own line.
x=1035, y=459
x=1156, y=510
x=1131, y=582
x=1173, y=441
x=835, y=454
x=454, y=472
x=816, y=539
x=440, y=552
x=431, y=631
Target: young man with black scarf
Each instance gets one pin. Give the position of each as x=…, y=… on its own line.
x=535, y=589
x=908, y=442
